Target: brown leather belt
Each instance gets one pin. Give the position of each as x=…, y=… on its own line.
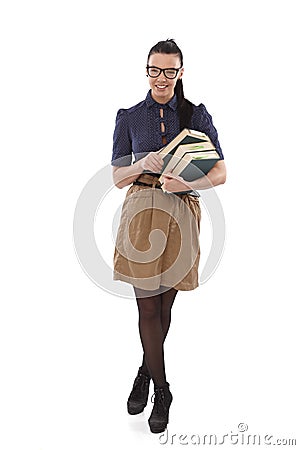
x=152, y=181
x=140, y=183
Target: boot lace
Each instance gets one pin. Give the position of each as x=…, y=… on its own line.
x=158, y=398
x=141, y=384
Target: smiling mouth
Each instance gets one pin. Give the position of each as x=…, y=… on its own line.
x=161, y=87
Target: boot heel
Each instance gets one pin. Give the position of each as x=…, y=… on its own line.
x=159, y=417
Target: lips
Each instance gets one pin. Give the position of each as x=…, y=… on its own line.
x=161, y=86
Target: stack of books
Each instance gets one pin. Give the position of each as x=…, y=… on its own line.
x=191, y=154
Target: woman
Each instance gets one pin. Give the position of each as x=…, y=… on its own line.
x=141, y=131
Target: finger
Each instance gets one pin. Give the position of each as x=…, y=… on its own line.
x=169, y=176
x=158, y=158
x=168, y=186
x=151, y=163
x=157, y=166
x=154, y=168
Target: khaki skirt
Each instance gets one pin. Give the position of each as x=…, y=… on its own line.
x=157, y=243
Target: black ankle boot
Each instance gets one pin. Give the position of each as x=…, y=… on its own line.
x=160, y=413
x=138, y=397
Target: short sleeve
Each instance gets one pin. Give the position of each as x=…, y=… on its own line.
x=202, y=121
x=122, y=147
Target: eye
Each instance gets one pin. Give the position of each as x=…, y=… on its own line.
x=153, y=71
x=171, y=73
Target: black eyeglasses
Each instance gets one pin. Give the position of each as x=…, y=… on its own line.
x=154, y=72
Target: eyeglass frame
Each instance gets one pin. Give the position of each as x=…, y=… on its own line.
x=163, y=70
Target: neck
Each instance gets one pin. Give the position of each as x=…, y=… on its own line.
x=161, y=100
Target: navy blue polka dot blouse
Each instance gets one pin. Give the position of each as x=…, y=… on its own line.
x=139, y=129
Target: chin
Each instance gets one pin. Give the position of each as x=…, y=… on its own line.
x=164, y=93
x=167, y=95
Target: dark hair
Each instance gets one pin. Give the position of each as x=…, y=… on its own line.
x=185, y=107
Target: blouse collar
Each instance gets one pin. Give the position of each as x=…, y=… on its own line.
x=171, y=103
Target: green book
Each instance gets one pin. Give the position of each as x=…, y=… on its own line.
x=182, y=149
x=186, y=136
x=178, y=159
x=194, y=165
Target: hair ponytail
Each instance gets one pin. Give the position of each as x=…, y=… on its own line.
x=185, y=107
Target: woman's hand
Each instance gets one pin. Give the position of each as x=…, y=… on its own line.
x=125, y=175
x=175, y=183
x=216, y=176
x=152, y=162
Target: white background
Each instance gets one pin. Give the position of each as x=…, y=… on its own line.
x=69, y=350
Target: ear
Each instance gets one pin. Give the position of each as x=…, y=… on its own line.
x=181, y=73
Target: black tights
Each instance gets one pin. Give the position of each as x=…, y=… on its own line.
x=154, y=324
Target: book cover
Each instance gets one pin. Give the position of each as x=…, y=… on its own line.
x=186, y=136
x=184, y=149
x=188, y=141
x=196, y=164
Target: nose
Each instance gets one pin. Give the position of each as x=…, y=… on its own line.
x=161, y=77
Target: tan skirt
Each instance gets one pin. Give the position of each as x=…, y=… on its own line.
x=157, y=242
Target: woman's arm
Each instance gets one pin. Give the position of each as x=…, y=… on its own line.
x=216, y=176
x=125, y=175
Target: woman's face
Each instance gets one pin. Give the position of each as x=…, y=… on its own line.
x=162, y=88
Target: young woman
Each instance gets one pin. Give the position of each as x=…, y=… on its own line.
x=158, y=265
